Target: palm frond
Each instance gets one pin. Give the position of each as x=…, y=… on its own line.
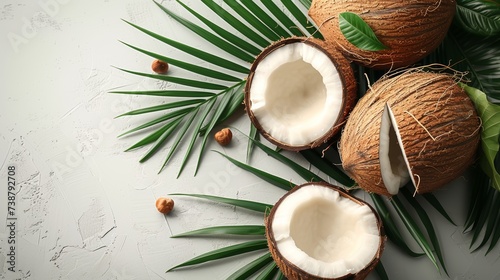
x=269, y=272
x=225, y=252
x=247, y=204
x=251, y=268
x=243, y=230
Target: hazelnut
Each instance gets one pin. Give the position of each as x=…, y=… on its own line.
x=164, y=205
x=160, y=67
x=224, y=136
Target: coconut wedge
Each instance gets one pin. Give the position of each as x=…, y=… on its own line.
x=409, y=29
x=415, y=126
x=299, y=92
x=318, y=231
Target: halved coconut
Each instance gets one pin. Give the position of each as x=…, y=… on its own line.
x=299, y=92
x=409, y=30
x=318, y=231
x=416, y=126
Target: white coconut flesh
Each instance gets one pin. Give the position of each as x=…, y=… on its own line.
x=325, y=234
x=394, y=165
x=296, y=94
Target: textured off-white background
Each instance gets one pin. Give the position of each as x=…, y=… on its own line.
x=85, y=208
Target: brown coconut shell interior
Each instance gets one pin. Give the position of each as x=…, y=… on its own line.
x=349, y=90
x=290, y=270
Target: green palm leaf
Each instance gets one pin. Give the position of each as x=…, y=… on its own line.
x=247, y=204
x=275, y=180
x=252, y=20
x=265, y=18
x=478, y=57
x=237, y=24
x=327, y=167
x=426, y=221
x=210, y=37
x=413, y=229
x=168, y=93
x=432, y=200
x=162, y=134
x=269, y=272
x=188, y=66
x=226, y=35
x=244, y=230
x=179, y=81
x=479, y=17
x=170, y=115
x=164, y=107
x=151, y=138
x=283, y=18
x=251, y=268
x=229, y=251
x=301, y=18
x=205, y=56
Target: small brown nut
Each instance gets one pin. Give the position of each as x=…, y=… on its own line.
x=164, y=204
x=160, y=67
x=224, y=136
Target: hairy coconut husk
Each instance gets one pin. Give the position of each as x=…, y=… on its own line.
x=291, y=271
x=410, y=30
x=438, y=125
x=349, y=90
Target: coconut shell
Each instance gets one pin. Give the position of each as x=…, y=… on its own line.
x=349, y=90
x=410, y=30
x=290, y=270
x=438, y=125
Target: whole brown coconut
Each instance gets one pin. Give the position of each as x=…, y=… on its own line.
x=299, y=92
x=410, y=29
x=434, y=122
x=319, y=231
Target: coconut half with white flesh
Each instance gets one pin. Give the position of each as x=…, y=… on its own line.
x=299, y=92
x=417, y=126
x=319, y=231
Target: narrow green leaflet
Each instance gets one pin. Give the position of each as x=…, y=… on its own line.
x=306, y=3
x=237, y=24
x=247, y=204
x=390, y=226
x=251, y=268
x=380, y=270
x=275, y=180
x=188, y=66
x=151, y=138
x=358, y=33
x=210, y=37
x=178, y=80
x=283, y=18
x=328, y=168
x=435, y=203
x=301, y=18
x=170, y=115
x=413, y=229
x=226, y=35
x=216, y=116
x=478, y=57
x=252, y=20
x=245, y=230
x=305, y=173
x=266, y=18
x=168, y=93
x=254, y=134
x=161, y=140
x=490, y=117
x=163, y=107
x=481, y=17
x=493, y=215
x=426, y=221
x=268, y=272
x=225, y=252
x=196, y=126
x=205, y=56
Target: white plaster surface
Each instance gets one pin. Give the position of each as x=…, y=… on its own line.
x=84, y=208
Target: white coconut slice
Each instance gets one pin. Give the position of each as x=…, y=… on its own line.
x=318, y=231
x=394, y=166
x=295, y=93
